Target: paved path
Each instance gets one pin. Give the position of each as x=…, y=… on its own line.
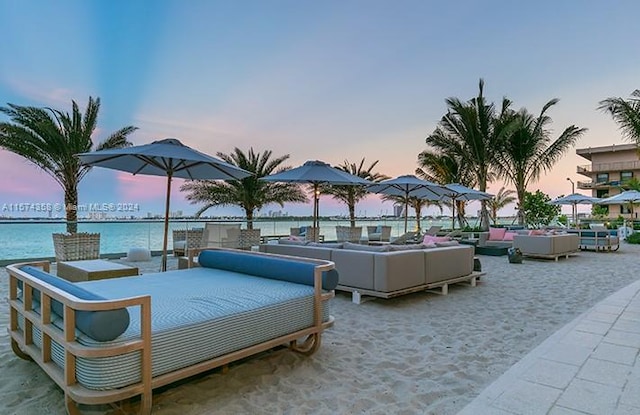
x=590, y=366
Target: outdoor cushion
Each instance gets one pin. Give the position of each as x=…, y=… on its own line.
x=497, y=234
x=434, y=239
x=536, y=232
x=508, y=236
x=298, y=272
x=368, y=248
x=333, y=245
x=292, y=241
x=99, y=325
x=407, y=247
x=446, y=243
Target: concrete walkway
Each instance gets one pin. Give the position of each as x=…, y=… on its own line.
x=590, y=366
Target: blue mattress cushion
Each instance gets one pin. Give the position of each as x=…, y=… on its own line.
x=102, y=326
x=299, y=272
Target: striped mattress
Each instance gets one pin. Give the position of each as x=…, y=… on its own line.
x=197, y=315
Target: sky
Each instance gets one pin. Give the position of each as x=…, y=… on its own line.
x=318, y=80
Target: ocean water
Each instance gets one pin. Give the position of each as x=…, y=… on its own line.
x=32, y=239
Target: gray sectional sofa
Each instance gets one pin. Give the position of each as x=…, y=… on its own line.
x=387, y=271
x=547, y=246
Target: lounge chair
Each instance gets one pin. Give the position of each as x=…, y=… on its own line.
x=185, y=240
x=433, y=230
x=406, y=238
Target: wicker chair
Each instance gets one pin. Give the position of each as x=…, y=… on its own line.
x=76, y=246
x=185, y=240
x=249, y=238
x=379, y=234
x=348, y=233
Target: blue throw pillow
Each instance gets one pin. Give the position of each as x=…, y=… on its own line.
x=267, y=267
x=99, y=325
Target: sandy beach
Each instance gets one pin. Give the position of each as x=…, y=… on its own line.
x=418, y=354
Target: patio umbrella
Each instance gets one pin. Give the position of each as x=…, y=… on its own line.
x=170, y=158
x=409, y=186
x=628, y=196
x=460, y=192
x=575, y=199
x=315, y=173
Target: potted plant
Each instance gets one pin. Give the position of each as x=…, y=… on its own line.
x=50, y=139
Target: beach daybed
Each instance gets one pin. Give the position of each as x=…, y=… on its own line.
x=390, y=270
x=108, y=340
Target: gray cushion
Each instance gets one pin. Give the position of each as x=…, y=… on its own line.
x=99, y=325
x=408, y=247
x=368, y=248
x=291, y=242
x=332, y=245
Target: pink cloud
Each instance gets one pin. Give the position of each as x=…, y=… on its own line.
x=22, y=180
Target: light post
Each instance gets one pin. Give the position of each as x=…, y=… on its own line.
x=573, y=205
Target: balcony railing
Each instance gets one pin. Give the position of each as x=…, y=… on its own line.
x=609, y=167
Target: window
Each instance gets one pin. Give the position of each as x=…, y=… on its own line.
x=602, y=178
x=624, y=209
x=625, y=176
x=600, y=193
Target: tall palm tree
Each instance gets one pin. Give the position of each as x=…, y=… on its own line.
x=50, y=139
x=499, y=201
x=626, y=113
x=250, y=193
x=529, y=150
x=351, y=195
x=473, y=132
x=444, y=169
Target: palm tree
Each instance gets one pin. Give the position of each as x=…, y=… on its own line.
x=351, y=195
x=499, y=201
x=528, y=149
x=472, y=131
x=626, y=113
x=250, y=193
x=444, y=169
x=50, y=139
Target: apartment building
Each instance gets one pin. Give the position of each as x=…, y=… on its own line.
x=611, y=166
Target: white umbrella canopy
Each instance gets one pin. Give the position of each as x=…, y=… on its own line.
x=575, y=199
x=315, y=173
x=460, y=192
x=170, y=158
x=409, y=186
x=628, y=196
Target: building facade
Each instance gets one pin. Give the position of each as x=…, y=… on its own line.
x=611, y=166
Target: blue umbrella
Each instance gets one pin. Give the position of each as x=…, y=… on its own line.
x=315, y=173
x=575, y=199
x=460, y=192
x=170, y=158
x=409, y=186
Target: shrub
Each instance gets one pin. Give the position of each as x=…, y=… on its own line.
x=634, y=238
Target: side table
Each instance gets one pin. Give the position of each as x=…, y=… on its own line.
x=93, y=269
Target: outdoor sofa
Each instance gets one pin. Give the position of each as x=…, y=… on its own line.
x=390, y=270
x=550, y=246
x=108, y=340
x=598, y=239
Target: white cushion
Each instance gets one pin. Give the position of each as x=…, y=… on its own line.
x=138, y=254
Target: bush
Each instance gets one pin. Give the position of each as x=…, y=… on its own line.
x=634, y=238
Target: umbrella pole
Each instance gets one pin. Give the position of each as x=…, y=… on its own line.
x=406, y=212
x=316, y=213
x=453, y=214
x=166, y=224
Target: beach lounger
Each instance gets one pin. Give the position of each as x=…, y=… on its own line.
x=124, y=337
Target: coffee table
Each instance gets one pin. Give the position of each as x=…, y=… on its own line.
x=93, y=269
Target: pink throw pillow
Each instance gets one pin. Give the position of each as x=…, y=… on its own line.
x=497, y=234
x=430, y=239
x=295, y=238
x=536, y=232
x=508, y=236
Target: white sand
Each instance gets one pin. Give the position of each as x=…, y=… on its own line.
x=417, y=354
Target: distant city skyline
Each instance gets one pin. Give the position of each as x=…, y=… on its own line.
x=330, y=80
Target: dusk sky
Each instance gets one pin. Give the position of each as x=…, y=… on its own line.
x=326, y=80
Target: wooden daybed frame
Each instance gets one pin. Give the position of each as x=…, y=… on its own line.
x=304, y=341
